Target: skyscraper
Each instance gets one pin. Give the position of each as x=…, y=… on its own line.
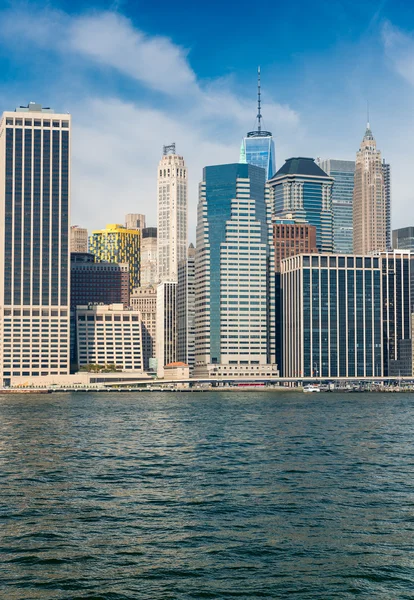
x=78, y=239
x=144, y=300
x=185, y=309
x=116, y=244
x=332, y=324
x=386, y=171
x=134, y=221
x=369, y=199
x=234, y=274
x=171, y=213
x=302, y=189
x=34, y=237
x=342, y=193
x=403, y=238
x=258, y=147
x=149, y=256
x=97, y=282
x=347, y=315
x=166, y=328
x=292, y=237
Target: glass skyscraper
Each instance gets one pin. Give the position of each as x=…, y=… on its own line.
x=346, y=315
x=403, y=238
x=34, y=237
x=303, y=190
x=342, y=192
x=234, y=279
x=258, y=147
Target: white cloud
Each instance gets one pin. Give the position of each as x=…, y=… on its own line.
x=117, y=142
x=116, y=150
x=399, y=48
x=110, y=39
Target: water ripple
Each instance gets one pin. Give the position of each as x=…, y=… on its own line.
x=172, y=496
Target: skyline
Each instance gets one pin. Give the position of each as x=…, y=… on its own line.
x=94, y=64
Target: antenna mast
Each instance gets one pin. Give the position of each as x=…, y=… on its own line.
x=259, y=114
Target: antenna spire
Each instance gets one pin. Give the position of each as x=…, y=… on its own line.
x=259, y=114
x=368, y=114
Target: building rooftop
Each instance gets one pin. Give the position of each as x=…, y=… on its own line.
x=34, y=107
x=300, y=166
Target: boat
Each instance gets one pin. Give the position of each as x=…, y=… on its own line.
x=312, y=387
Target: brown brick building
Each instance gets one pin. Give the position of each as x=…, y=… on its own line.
x=292, y=237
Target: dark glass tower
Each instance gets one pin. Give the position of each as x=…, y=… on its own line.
x=34, y=233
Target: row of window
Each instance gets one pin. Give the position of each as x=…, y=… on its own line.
x=18, y=122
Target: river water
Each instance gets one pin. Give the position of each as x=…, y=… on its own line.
x=207, y=495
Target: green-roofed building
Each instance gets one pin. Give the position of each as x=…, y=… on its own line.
x=302, y=189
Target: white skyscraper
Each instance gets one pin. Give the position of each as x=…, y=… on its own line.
x=34, y=242
x=172, y=205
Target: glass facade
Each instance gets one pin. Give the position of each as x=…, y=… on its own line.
x=234, y=264
x=342, y=194
x=301, y=189
x=347, y=316
x=403, y=239
x=336, y=304
x=260, y=151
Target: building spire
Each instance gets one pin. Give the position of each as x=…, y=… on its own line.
x=259, y=114
x=368, y=133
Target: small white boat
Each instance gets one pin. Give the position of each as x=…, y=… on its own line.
x=311, y=388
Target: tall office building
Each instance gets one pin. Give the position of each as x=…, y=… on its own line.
x=234, y=274
x=34, y=238
x=134, y=221
x=302, y=189
x=149, y=256
x=346, y=315
x=332, y=316
x=291, y=237
x=144, y=300
x=369, y=199
x=78, y=239
x=172, y=206
x=258, y=147
x=397, y=269
x=166, y=328
x=342, y=193
x=186, y=309
x=386, y=171
x=403, y=238
x=116, y=244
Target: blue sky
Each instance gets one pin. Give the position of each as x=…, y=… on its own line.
x=137, y=75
